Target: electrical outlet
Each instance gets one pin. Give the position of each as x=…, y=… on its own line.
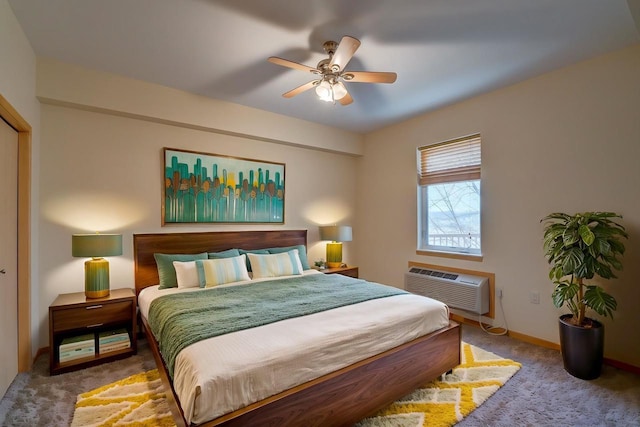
x=534, y=297
x=499, y=293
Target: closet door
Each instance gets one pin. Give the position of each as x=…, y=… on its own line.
x=8, y=255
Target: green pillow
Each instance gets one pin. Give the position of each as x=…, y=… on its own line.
x=229, y=253
x=252, y=251
x=166, y=271
x=302, y=253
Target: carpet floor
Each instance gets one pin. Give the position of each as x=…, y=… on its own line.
x=541, y=394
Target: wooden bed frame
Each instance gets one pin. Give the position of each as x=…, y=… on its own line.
x=340, y=398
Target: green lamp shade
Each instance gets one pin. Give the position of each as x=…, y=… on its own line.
x=337, y=234
x=96, y=270
x=96, y=245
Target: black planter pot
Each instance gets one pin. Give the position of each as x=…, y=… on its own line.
x=582, y=348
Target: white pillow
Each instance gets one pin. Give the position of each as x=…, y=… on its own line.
x=275, y=265
x=187, y=274
x=213, y=272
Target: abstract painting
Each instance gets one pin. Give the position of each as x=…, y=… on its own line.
x=211, y=188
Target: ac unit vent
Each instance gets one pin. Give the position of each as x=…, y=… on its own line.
x=433, y=273
x=461, y=291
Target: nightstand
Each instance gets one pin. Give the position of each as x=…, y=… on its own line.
x=91, y=331
x=345, y=271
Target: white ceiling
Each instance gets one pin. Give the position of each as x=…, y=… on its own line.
x=442, y=50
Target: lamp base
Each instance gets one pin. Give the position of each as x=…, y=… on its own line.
x=96, y=278
x=96, y=294
x=334, y=254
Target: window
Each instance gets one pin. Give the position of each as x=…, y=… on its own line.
x=449, y=196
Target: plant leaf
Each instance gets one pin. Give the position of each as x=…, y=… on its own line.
x=586, y=235
x=601, y=246
x=599, y=301
x=564, y=292
x=570, y=236
x=572, y=261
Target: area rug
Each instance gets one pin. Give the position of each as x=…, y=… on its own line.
x=445, y=403
x=139, y=400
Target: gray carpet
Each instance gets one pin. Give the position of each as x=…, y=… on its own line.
x=540, y=394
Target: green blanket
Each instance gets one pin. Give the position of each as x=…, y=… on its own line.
x=179, y=320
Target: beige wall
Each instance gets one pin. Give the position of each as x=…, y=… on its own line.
x=18, y=65
x=101, y=171
x=18, y=86
x=565, y=141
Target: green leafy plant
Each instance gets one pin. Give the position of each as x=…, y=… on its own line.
x=579, y=247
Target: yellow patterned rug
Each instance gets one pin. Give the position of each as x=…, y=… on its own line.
x=445, y=403
x=139, y=400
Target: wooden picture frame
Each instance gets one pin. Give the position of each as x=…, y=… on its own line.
x=211, y=188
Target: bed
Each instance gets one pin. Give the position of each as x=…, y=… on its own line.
x=357, y=382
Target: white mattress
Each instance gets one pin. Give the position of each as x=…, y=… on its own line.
x=227, y=372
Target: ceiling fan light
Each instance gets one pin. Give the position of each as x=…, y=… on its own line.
x=324, y=91
x=339, y=91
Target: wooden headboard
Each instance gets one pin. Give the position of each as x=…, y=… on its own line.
x=145, y=245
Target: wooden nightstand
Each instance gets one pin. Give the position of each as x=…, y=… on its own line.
x=73, y=317
x=346, y=271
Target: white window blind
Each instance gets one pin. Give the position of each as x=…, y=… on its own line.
x=450, y=161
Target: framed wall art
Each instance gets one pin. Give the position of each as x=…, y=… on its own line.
x=210, y=188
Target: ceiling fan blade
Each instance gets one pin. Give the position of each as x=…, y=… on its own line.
x=346, y=49
x=346, y=100
x=369, y=77
x=291, y=64
x=300, y=89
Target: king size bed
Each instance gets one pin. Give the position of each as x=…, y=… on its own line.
x=283, y=344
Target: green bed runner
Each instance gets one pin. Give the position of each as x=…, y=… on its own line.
x=179, y=320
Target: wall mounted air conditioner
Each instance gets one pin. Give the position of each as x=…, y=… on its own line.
x=460, y=291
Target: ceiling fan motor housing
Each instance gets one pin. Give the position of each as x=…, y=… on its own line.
x=330, y=47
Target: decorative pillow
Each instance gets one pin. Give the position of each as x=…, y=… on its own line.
x=187, y=274
x=166, y=272
x=275, y=265
x=213, y=272
x=252, y=251
x=229, y=253
x=302, y=253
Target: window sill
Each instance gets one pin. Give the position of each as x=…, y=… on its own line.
x=453, y=255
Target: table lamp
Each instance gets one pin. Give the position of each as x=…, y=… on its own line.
x=96, y=270
x=336, y=234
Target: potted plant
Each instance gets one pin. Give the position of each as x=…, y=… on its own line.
x=580, y=247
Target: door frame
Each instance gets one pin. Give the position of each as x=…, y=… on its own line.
x=11, y=116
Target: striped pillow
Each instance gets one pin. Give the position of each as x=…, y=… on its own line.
x=213, y=272
x=275, y=265
x=302, y=253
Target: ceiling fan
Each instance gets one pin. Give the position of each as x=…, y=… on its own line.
x=331, y=74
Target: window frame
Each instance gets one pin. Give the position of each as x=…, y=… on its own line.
x=455, y=160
